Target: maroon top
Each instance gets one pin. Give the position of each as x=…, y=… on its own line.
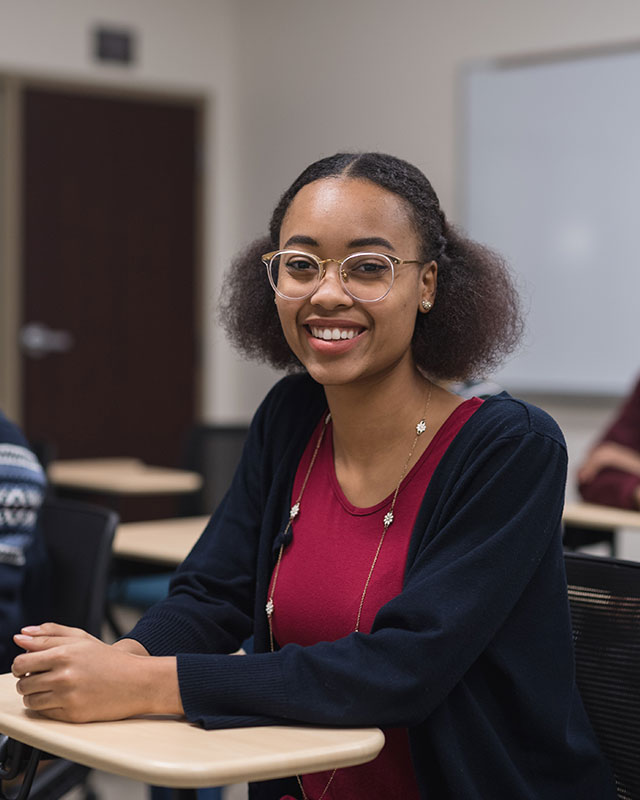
x=613, y=487
x=322, y=576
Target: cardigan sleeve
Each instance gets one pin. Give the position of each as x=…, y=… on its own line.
x=614, y=487
x=210, y=603
x=483, y=544
x=210, y=607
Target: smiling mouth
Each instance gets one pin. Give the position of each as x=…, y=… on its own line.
x=334, y=334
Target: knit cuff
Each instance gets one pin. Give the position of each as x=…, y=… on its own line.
x=165, y=635
x=214, y=687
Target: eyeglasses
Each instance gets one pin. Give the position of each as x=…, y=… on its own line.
x=367, y=277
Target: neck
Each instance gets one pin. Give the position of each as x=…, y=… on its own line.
x=370, y=418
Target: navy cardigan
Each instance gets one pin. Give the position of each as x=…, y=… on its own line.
x=474, y=656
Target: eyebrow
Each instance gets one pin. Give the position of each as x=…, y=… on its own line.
x=301, y=239
x=365, y=241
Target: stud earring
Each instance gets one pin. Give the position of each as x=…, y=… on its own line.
x=427, y=305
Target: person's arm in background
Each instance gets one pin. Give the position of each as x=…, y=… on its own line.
x=22, y=487
x=610, y=474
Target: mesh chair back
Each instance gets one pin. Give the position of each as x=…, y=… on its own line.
x=78, y=537
x=604, y=594
x=214, y=451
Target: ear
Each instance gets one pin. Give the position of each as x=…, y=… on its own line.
x=428, y=286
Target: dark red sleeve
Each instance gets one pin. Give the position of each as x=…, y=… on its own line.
x=613, y=487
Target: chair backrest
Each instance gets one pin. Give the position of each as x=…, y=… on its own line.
x=214, y=451
x=604, y=594
x=78, y=537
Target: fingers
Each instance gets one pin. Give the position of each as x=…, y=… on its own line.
x=40, y=701
x=60, y=714
x=37, y=643
x=50, y=704
x=34, y=662
x=51, y=692
x=44, y=637
x=53, y=629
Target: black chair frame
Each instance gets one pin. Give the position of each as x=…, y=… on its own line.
x=604, y=595
x=78, y=538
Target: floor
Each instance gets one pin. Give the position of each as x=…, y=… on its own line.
x=111, y=787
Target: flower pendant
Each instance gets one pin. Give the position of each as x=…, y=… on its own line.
x=388, y=519
x=421, y=427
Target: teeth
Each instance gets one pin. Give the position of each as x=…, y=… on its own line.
x=333, y=333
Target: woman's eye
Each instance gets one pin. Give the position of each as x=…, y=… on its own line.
x=301, y=265
x=369, y=268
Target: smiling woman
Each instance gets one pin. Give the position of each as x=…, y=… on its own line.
x=472, y=327
x=394, y=550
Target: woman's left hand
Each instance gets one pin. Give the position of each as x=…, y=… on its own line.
x=67, y=674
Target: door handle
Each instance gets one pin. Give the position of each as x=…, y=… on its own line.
x=38, y=340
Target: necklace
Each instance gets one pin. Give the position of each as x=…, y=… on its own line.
x=420, y=428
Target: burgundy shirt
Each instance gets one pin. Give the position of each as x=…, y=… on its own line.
x=322, y=576
x=613, y=487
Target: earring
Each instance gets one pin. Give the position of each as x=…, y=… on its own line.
x=427, y=305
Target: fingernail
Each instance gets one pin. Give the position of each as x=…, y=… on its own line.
x=22, y=637
x=31, y=629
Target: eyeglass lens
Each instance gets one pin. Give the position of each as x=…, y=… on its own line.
x=365, y=276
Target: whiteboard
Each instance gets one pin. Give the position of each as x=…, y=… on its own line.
x=551, y=179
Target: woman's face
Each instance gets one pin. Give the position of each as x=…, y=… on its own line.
x=332, y=218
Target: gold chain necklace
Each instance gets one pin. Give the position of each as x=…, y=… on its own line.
x=421, y=427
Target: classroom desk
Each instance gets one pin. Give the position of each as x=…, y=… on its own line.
x=169, y=541
x=160, y=541
x=590, y=515
x=169, y=751
x=121, y=476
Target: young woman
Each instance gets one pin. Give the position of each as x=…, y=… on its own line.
x=394, y=550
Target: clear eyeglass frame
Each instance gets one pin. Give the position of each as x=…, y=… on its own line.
x=393, y=261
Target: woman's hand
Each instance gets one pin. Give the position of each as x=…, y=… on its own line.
x=67, y=674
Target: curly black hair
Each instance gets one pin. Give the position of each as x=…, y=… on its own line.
x=475, y=322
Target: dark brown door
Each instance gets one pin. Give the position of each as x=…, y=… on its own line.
x=109, y=263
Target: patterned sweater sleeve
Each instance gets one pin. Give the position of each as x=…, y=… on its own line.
x=22, y=486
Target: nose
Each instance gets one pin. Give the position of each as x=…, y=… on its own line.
x=330, y=292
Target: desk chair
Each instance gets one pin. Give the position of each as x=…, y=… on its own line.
x=575, y=537
x=213, y=451
x=604, y=594
x=78, y=538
